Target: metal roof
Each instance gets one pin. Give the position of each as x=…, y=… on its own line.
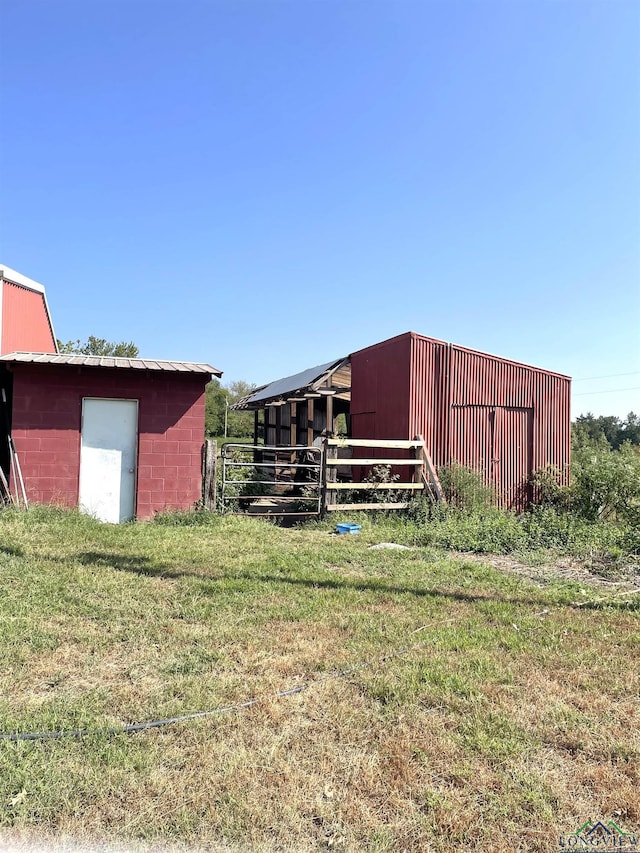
x=7, y=274
x=73, y=360
x=288, y=385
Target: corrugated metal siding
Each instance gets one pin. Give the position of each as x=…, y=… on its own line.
x=472, y=438
x=380, y=384
x=503, y=418
x=480, y=379
x=380, y=394
x=552, y=428
x=430, y=372
x=25, y=322
x=483, y=379
x=497, y=442
x=513, y=454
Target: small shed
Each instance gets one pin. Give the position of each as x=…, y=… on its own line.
x=120, y=437
x=500, y=417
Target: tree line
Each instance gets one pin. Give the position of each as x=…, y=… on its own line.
x=587, y=429
x=100, y=347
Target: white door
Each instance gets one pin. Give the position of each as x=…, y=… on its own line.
x=108, y=458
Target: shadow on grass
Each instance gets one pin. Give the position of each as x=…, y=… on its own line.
x=145, y=567
x=11, y=551
x=137, y=564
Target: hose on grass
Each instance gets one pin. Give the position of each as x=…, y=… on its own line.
x=134, y=728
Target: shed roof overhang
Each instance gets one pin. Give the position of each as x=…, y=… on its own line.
x=332, y=379
x=93, y=361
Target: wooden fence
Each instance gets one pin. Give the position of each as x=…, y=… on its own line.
x=373, y=476
x=345, y=474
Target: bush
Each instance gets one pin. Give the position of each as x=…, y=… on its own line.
x=465, y=488
x=379, y=475
x=549, y=527
x=548, y=489
x=498, y=531
x=605, y=483
x=630, y=543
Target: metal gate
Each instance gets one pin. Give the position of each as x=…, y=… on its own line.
x=273, y=481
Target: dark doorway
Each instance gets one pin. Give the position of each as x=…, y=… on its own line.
x=6, y=385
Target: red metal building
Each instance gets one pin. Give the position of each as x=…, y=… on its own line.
x=500, y=417
x=120, y=437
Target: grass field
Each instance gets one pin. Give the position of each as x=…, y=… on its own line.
x=479, y=711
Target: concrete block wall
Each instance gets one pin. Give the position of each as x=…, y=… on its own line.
x=47, y=422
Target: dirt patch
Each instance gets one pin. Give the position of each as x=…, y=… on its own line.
x=595, y=573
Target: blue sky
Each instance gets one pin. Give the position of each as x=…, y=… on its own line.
x=267, y=185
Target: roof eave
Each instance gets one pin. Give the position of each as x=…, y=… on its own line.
x=110, y=363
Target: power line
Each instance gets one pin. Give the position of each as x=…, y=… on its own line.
x=608, y=376
x=610, y=391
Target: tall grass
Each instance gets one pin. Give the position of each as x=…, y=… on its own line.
x=491, y=530
x=598, y=514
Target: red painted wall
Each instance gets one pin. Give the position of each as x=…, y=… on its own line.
x=503, y=418
x=47, y=411
x=380, y=389
x=532, y=419
x=25, y=322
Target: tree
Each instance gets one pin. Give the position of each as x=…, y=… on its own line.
x=605, y=483
x=219, y=400
x=587, y=429
x=216, y=398
x=100, y=347
x=631, y=429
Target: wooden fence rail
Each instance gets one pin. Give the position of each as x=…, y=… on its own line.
x=423, y=476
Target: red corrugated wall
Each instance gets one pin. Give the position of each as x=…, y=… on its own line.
x=500, y=417
x=47, y=410
x=380, y=389
x=25, y=321
x=529, y=415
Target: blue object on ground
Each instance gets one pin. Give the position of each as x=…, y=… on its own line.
x=348, y=527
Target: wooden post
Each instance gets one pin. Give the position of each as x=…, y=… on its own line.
x=209, y=473
x=329, y=477
x=418, y=474
x=430, y=475
x=310, y=422
x=278, y=440
x=329, y=415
